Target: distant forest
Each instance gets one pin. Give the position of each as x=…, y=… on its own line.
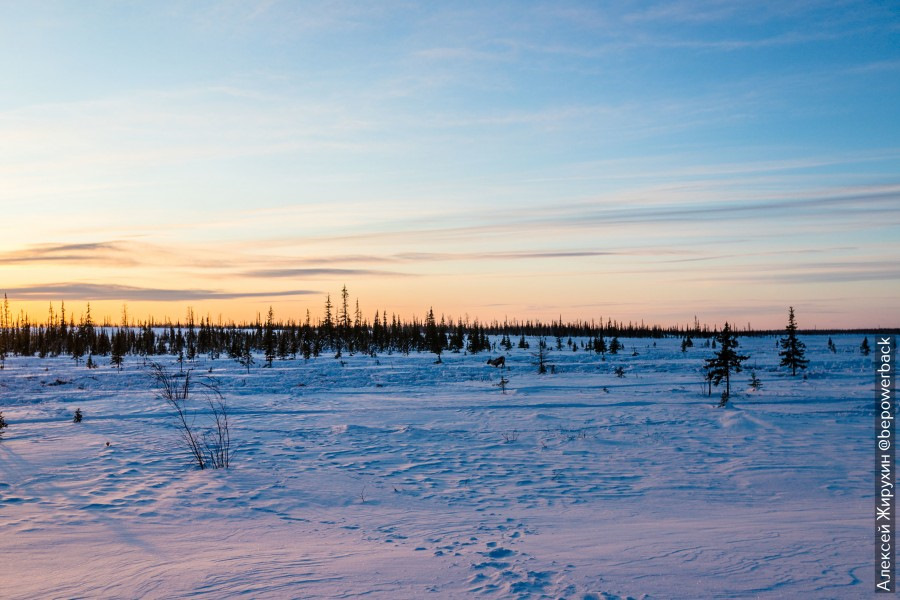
x=341, y=330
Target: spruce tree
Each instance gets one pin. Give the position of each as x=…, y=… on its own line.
x=726, y=361
x=864, y=347
x=119, y=348
x=4, y=331
x=269, y=338
x=246, y=357
x=615, y=345
x=76, y=349
x=284, y=346
x=434, y=339
x=327, y=327
x=191, y=339
x=792, y=349
x=344, y=319
x=87, y=332
x=541, y=355
x=600, y=345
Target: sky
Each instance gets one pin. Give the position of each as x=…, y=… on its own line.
x=640, y=161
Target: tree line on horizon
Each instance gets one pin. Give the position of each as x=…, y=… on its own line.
x=340, y=330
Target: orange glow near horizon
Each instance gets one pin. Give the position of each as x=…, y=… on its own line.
x=712, y=312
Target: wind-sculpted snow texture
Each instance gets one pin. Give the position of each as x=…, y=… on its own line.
x=393, y=477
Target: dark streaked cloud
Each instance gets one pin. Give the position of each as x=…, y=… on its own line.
x=771, y=253
x=884, y=199
x=318, y=272
x=93, y=291
x=847, y=272
x=346, y=258
x=521, y=254
x=881, y=274
x=96, y=252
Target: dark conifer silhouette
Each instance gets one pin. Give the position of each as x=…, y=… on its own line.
x=615, y=345
x=119, y=348
x=726, y=361
x=434, y=339
x=541, y=355
x=792, y=349
x=600, y=345
x=269, y=338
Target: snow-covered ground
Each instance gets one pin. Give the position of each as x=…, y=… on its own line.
x=393, y=477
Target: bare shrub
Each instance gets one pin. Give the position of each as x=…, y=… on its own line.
x=217, y=440
x=209, y=444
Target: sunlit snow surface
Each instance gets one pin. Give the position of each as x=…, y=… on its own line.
x=393, y=477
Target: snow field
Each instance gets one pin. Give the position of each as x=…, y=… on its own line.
x=393, y=477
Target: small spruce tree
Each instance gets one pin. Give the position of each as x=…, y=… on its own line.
x=269, y=338
x=541, y=356
x=434, y=339
x=119, y=347
x=615, y=345
x=793, y=350
x=725, y=362
x=864, y=347
x=246, y=358
x=755, y=383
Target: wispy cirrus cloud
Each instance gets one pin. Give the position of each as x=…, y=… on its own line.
x=807, y=209
x=849, y=273
x=94, y=291
x=318, y=272
x=108, y=253
x=513, y=255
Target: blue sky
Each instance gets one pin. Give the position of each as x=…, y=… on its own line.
x=636, y=160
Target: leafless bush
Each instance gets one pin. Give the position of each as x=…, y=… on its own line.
x=209, y=445
x=510, y=436
x=217, y=439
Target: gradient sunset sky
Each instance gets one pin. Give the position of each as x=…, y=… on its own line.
x=632, y=160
